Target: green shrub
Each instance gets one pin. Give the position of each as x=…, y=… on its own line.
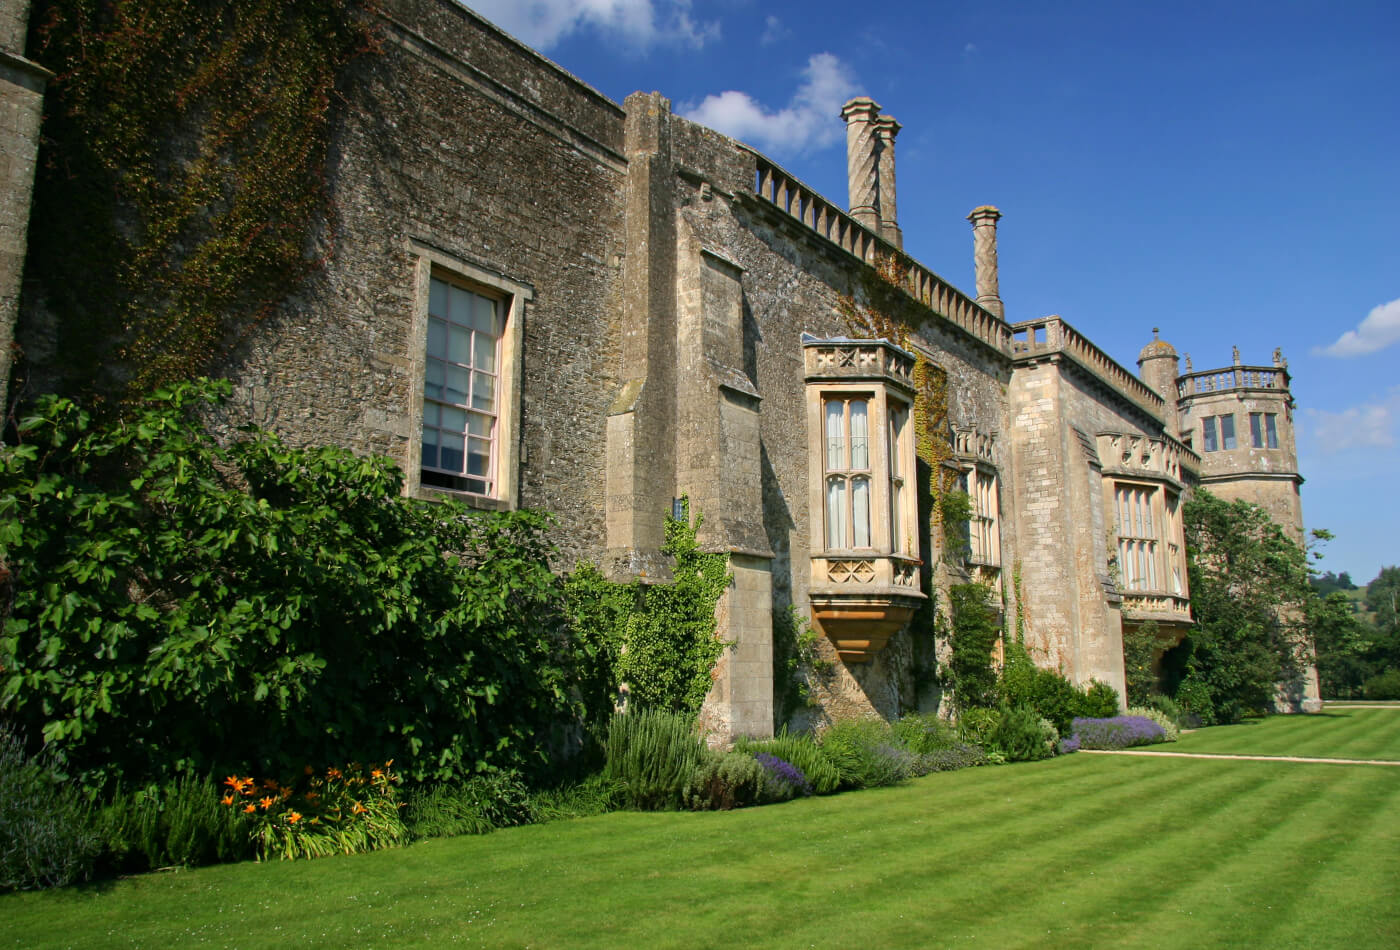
x=724, y=781
x=866, y=753
x=595, y=795
x=1197, y=705
x=1169, y=726
x=1100, y=701
x=1166, y=706
x=1050, y=693
x=975, y=726
x=481, y=804
x=1382, y=686
x=960, y=756
x=922, y=733
x=47, y=838
x=801, y=751
x=179, y=823
x=1019, y=737
x=182, y=603
x=653, y=754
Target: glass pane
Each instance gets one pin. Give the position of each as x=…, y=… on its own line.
x=479, y=457
x=1272, y=430
x=1227, y=431
x=896, y=531
x=477, y=424
x=1256, y=431
x=1208, y=433
x=461, y=303
x=437, y=339
x=454, y=420
x=459, y=344
x=437, y=298
x=433, y=379
x=430, y=436
x=860, y=505
x=483, y=392
x=484, y=352
x=483, y=319
x=457, y=382
x=835, y=444
x=431, y=414
x=452, y=449
x=836, y=513
x=860, y=437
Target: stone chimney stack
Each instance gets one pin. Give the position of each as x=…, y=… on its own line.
x=984, y=255
x=886, y=128
x=862, y=162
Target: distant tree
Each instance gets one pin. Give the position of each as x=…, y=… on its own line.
x=1249, y=591
x=1327, y=583
x=1344, y=642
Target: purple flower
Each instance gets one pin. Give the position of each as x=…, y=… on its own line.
x=1069, y=745
x=1119, y=732
x=785, y=772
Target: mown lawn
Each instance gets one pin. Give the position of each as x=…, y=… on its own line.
x=1337, y=732
x=1082, y=851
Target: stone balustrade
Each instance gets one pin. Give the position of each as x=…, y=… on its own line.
x=1135, y=454
x=1232, y=377
x=1054, y=335
x=778, y=189
x=1144, y=606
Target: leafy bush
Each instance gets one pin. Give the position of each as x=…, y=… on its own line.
x=182, y=605
x=724, y=781
x=866, y=753
x=803, y=753
x=1166, y=706
x=594, y=795
x=1118, y=732
x=975, y=726
x=1019, y=736
x=959, y=756
x=47, y=837
x=343, y=812
x=1050, y=693
x=178, y=823
x=481, y=804
x=922, y=733
x=1197, y=707
x=653, y=754
x=782, y=780
x=1383, y=686
x=1169, y=728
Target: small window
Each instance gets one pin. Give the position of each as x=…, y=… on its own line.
x=1137, y=537
x=1263, y=430
x=1208, y=437
x=461, y=387
x=1227, y=431
x=847, y=426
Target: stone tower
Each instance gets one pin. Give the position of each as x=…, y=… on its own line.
x=1159, y=367
x=1239, y=418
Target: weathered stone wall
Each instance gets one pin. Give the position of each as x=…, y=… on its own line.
x=21, y=108
x=460, y=144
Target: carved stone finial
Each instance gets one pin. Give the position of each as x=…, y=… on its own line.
x=1278, y=356
x=1188, y=362
x=1155, y=331
x=1237, y=355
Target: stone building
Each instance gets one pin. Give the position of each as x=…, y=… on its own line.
x=540, y=297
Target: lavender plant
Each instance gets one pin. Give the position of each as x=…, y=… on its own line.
x=1117, y=732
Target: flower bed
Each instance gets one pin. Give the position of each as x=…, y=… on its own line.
x=1118, y=732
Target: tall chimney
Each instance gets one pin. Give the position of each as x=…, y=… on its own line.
x=862, y=169
x=984, y=255
x=886, y=128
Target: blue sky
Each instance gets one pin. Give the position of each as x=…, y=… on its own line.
x=1229, y=172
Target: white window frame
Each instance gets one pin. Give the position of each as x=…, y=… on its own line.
x=983, y=527
x=890, y=473
x=1139, y=534
x=511, y=298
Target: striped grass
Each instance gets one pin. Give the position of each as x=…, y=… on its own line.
x=1080, y=851
x=1337, y=732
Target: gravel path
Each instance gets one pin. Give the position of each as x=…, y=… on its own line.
x=1255, y=758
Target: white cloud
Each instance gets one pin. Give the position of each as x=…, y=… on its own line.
x=773, y=32
x=1371, y=425
x=640, y=23
x=812, y=119
x=1380, y=329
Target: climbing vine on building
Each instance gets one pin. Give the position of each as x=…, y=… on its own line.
x=182, y=184
x=660, y=638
